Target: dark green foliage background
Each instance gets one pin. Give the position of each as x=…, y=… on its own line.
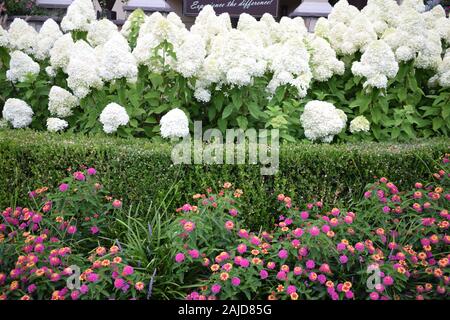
x=141, y=171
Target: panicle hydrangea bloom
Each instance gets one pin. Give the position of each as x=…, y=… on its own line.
x=116, y=60
x=377, y=65
x=83, y=69
x=20, y=67
x=61, y=102
x=18, y=113
x=155, y=31
x=291, y=28
x=60, y=52
x=113, y=116
x=417, y=5
x=323, y=61
x=145, y=45
x=412, y=40
x=289, y=63
x=4, y=38
x=137, y=17
x=322, y=121
x=359, y=124
x=100, y=31
x=48, y=34
x=382, y=14
x=174, y=124
x=208, y=24
x=56, y=124
x=22, y=36
x=190, y=55
x=79, y=15
x=358, y=35
x=343, y=12
x=442, y=76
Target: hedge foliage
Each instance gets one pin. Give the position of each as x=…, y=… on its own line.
x=142, y=171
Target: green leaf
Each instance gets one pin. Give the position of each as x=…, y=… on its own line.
x=227, y=111
x=242, y=122
x=437, y=123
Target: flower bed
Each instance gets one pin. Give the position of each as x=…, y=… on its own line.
x=376, y=74
x=392, y=244
x=140, y=171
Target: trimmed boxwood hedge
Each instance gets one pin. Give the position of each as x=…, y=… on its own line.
x=141, y=171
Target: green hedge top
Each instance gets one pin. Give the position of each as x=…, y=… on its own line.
x=138, y=170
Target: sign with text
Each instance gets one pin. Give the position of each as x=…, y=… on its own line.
x=234, y=8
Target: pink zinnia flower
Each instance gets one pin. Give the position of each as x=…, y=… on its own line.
x=291, y=289
x=63, y=187
x=235, y=281
x=75, y=295
x=283, y=254
x=343, y=259
x=244, y=263
x=91, y=171
x=79, y=176
x=92, y=277
x=310, y=264
x=304, y=215
x=215, y=288
x=297, y=232
x=71, y=229
x=194, y=253
x=388, y=280
x=241, y=248
x=281, y=275
x=117, y=203
x=314, y=231
x=127, y=270
x=179, y=257
x=374, y=295
x=189, y=226
x=229, y=225
x=84, y=289
x=94, y=230
x=119, y=283
x=263, y=274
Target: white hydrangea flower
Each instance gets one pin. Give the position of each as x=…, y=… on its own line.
x=113, y=116
x=100, y=31
x=174, y=124
x=289, y=63
x=359, y=124
x=145, y=46
x=79, y=15
x=323, y=61
x=4, y=38
x=382, y=14
x=22, y=36
x=417, y=5
x=208, y=24
x=83, y=69
x=137, y=16
x=60, y=53
x=61, y=102
x=18, y=113
x=116, y=60
x=442, y=76
x=202, y=94
x=48, y=34
x=56, y=124
x=21, y=66
x=190, y=55
x=377, y=65
x=321, y=121
x=343, y=12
